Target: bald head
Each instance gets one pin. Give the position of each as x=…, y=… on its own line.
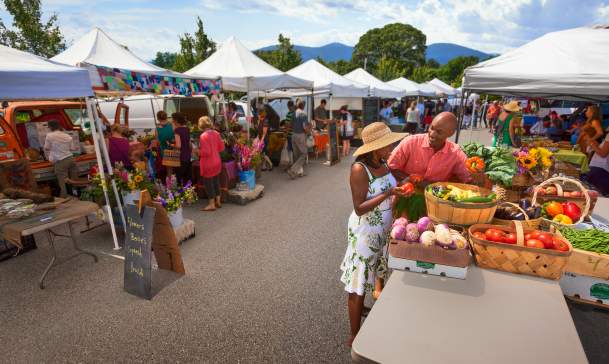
x=442, y=127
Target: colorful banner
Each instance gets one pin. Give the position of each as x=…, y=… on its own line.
x=116, y=79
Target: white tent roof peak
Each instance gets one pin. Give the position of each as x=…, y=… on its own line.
x=242, y=70
x=327, y=81
x=412, y=88
x=442, y=87
x=377, y=87
x=97, y=48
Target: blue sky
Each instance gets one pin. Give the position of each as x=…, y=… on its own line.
x=487, y=25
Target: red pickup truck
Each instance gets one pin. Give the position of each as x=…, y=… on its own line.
x=23, y=127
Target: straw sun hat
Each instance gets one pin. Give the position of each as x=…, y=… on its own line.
x=512, y=106
x=376, y=136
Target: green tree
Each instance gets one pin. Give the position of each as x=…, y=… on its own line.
x=341, y=66
x=193, y=49
x=432, y=63
x=165, y=59
x=29, y=33
x=388, y=69
x=401, y=43
x=452, y=72
x=424, y=74
x=284, y=57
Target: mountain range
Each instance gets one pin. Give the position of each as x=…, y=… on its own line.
x=441, y=52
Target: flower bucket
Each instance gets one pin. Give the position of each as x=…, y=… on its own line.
x=176, y=218
x=248, y=177
x=131, y=197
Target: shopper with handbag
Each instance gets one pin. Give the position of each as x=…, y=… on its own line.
x=346, y=129
x=300, y=128
x=182, y=143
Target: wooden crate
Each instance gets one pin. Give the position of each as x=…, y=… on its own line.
x=589, y=264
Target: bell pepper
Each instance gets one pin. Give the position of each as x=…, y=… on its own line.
x=563, y=219
x=572, y=210
x=475, y=164
x=553, y=208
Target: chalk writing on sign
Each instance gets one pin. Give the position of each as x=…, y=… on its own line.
x=138, y=242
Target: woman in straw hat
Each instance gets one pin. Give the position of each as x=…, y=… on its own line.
x=371, y=186
x=505, y=132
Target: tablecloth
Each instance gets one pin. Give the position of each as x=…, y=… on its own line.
x=573, y=157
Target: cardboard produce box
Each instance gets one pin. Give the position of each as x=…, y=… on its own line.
x=427, y=268
x=581, y=287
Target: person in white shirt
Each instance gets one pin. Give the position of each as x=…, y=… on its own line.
x=412, y=118
x=58, y=147
x=598, y=175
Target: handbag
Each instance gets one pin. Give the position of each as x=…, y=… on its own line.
x=171, y=158
x=310, y=141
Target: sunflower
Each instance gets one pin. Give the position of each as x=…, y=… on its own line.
x=132, y=186
x=546, y=162
x=545, y=153
x=138, y=178
x=527, y=162
x=534, y=153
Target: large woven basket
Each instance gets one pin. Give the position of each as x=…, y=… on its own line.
x=517, y=258
x=561, y=188
x=527, y=223
x=558, y=182
x=459, y=213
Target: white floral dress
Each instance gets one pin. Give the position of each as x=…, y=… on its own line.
x=367, y=236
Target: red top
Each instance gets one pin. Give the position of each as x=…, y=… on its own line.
x=210, y=146
x=414, y=155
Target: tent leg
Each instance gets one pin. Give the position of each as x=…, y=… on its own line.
x=96, y=143
x=459, y=119
x=248, y=114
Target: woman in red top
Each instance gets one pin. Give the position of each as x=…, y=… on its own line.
x=210, y=146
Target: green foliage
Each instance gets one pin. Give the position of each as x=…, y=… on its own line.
x=401, y=43
x=284, y=58
x=424, y=73
x=452, y=72
x=29, y=33
x=193, y=49
x=388, y=69
x=165, y=59
x=341, y=67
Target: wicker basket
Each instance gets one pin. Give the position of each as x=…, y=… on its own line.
x=517, y=258
x=430, y=254
x=527, y=223
x=522, y=180
x=557, y=181
x=459, y=213
x=509, y=194
x=579, y=201
x=171, y=158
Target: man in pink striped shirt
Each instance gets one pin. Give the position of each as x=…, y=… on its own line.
x=431, y=155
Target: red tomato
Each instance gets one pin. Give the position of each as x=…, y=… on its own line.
x=547, y=239
x=560, y=244
x=495, y=235
x=534, y=243
x=479, y=235
x=510, y=238
x=527, y=236
x=408, y=188
x=535, y=234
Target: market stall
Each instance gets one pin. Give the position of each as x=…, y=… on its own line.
x=377, y=87
x=25, y=212
x=411, y=88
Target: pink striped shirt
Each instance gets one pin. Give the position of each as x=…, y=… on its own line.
x=414, y=155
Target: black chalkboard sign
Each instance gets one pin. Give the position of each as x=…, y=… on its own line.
x=333, y=156
x=138, y=243
x=370, y=110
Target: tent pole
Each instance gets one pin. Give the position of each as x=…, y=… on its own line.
x=460, y=121
x=248, y=113
x=96, y=142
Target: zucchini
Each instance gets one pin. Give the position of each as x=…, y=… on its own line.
x=477, y=199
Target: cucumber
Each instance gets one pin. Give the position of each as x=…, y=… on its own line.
x=477, y=199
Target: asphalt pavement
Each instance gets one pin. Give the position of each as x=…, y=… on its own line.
x=261, y=285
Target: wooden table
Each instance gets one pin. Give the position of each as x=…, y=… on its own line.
x=490, y=317
x=67, y=214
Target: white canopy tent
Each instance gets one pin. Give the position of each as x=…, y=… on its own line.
x=442, y=87
x=241, y=70
x=26, y=76
x=96, y=48
x=412, y=88
x=567, y=65
x=327, y=82
x=378, y=88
